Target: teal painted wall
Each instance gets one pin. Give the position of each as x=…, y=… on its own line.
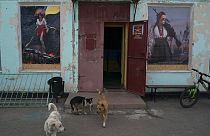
x=199, y=46
x=9, y=37
x=10, y=40
x=10, y=43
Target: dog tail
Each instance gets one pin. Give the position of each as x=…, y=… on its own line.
x=52, y=105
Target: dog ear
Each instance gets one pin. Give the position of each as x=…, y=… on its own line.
x=99, y=91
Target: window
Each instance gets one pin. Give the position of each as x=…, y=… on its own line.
x=40, y=31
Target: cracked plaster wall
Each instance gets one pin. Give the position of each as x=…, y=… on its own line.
x=10, y=40
x=200, y=48
x=201, y=37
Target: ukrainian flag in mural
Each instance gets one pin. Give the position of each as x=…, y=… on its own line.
x=40, y=34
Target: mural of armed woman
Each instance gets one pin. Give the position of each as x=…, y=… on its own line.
x=162, y=32
x=40, y=34
x=41, y=28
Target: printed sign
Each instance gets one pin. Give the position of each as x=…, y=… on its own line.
x=138, y=31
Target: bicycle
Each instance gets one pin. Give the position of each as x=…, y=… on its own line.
x=189, y=96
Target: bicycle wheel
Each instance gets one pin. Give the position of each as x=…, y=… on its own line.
x=189, y=97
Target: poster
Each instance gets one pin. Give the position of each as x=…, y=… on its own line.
x=138, y=31
x=168, y=35
x=40, y=34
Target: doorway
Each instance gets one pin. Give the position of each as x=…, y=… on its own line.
x=91, y=39
x=113, y=57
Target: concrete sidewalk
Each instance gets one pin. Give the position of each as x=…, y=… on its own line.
x=117, y=99
x=165, y=117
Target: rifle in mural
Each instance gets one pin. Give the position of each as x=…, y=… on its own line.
x=170, y=30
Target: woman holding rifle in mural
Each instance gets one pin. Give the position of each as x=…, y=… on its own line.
x=161, y=52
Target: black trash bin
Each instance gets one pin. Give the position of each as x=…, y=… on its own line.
x=56, y=88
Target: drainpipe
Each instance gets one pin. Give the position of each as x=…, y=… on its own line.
x=73, y=2
x=73, y=39
x=135, y=2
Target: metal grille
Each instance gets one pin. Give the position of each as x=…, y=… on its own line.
x=21, y=90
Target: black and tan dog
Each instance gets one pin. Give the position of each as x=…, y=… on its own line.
x=102, y=107
x=83, y=101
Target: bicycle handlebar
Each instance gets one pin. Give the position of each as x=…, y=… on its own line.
x=195, y=70
x=200, y=72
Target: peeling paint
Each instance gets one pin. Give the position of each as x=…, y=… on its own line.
x=13, y=20
x=198, y=49
x=200, y=39
x=69, y=38
x=198, y=23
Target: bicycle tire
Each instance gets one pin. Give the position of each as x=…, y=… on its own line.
x=189, y=97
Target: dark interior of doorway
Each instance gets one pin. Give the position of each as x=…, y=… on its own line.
x=112, y=57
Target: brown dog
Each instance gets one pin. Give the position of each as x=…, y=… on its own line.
x=102, y=107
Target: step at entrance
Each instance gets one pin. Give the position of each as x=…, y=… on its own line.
x=116, y=99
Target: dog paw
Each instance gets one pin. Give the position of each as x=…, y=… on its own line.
x=104, y=125
x=76, y=113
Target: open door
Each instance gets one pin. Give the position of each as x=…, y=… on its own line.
x=113, y=44
x=136, y=62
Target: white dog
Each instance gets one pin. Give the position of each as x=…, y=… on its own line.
x=53, y=123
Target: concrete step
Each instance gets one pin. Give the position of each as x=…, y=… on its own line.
x=116, y=99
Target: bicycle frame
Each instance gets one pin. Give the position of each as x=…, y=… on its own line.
x=189, y=96
x=203, y=82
